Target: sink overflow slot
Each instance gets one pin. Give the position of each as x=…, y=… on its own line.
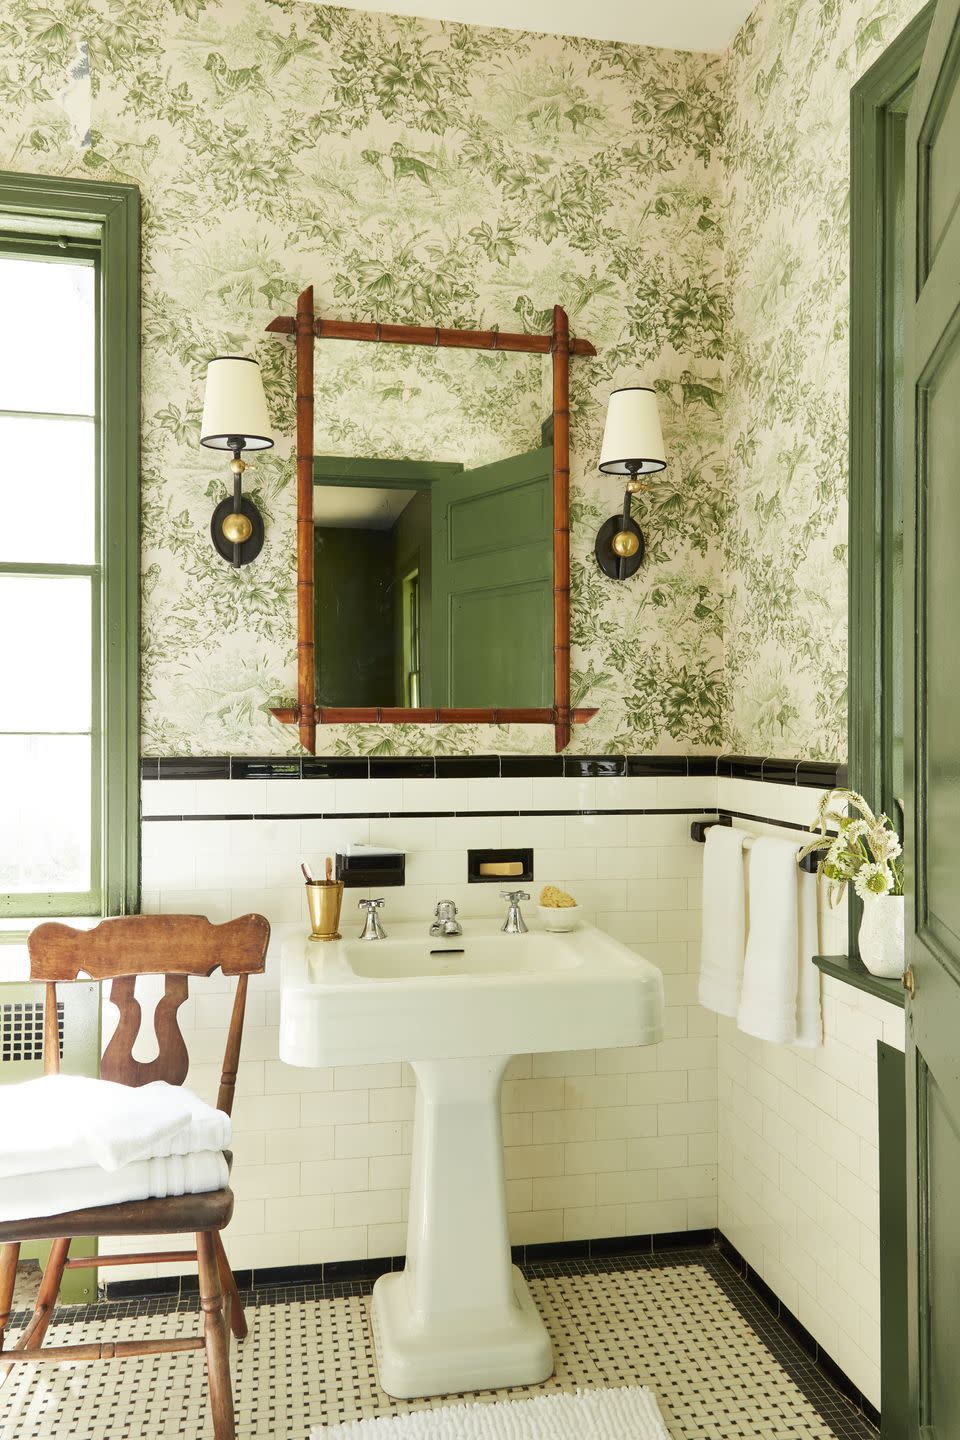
x=447, y=952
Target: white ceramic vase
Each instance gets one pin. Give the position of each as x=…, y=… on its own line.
x=881, y=936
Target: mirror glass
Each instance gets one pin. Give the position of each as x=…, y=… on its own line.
x=433, y=526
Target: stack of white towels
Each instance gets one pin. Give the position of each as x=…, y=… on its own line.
x=70, y=1141
x=759, y=937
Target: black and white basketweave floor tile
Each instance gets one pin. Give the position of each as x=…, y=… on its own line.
x=675, y=1322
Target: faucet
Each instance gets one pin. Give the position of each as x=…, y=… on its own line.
x=372, y=929
x=514, y=923
x=445, y=920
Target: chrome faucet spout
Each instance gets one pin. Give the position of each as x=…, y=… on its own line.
x=445, y=922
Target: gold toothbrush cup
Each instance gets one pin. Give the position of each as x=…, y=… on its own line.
x=324, y=898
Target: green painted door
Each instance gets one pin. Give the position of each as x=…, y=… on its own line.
x=932, y=751
x=493, y=584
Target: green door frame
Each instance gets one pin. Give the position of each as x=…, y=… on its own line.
x=112, y=214
x=878, y=106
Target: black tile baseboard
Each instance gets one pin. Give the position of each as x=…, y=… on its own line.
x=819, y=774
x=798, y=1332
x=350, y=1270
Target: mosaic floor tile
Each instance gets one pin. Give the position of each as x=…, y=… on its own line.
x=675, y=1322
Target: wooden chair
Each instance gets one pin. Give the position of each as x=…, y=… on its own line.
x=176, y=946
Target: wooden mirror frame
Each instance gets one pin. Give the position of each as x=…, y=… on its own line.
x=306, y=327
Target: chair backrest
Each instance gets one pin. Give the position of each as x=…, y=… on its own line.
x=175, y=946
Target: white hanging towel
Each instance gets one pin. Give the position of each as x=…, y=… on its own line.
x=780, y=944
x=724, y=919
x=809, y=1013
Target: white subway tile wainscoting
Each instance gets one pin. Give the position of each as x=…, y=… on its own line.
x=775, y=1147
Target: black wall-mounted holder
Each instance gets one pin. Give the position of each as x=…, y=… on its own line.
x=236, y=526
x=376, y=870
x=620, y=544
x=699, y=828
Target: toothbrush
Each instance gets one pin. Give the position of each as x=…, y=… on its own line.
x=307, y=873
x=329, y=870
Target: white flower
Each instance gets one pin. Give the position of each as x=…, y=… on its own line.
x=872, y=880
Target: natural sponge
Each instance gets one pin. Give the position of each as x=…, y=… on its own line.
x=555, y=899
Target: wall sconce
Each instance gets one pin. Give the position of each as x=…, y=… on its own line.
x=235, y=418
x=632, y=446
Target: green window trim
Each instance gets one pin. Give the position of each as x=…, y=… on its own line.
x=110, y=214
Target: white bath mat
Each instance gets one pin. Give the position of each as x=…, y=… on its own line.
x=628, y=1413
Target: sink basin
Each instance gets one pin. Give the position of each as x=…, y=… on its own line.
x=459, y=1316
x=353, y=1002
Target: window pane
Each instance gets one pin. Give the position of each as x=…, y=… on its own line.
x=45, y=816
x=45, y=659
x=47, y=490
x=48, y=308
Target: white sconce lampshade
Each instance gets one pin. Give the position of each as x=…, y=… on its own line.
x=632, y=438
x=234, y=406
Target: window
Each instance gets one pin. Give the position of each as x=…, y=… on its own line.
x=69, y=419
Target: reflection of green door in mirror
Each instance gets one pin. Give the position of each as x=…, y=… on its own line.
x=493, y=584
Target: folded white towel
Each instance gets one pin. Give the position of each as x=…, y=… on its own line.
x=27, y=1197
x=63, y=1122
x=724, y=919
x=773, y=963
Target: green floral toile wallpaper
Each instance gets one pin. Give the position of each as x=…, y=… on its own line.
x=790, y=70
x=413, y=172
x=689, y=211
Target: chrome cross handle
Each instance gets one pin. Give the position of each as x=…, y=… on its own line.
x=514, y=923
x=372, y=929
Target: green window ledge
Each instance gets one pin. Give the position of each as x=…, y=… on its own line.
x=853, y=972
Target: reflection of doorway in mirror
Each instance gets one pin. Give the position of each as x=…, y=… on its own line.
x=433, y=582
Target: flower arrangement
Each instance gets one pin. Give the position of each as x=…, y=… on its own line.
x=866, y=851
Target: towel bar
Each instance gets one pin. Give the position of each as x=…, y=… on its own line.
x=699, y=828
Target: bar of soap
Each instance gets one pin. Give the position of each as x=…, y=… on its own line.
x=555, y=899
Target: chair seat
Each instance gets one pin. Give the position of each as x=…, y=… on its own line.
x=210, y=1211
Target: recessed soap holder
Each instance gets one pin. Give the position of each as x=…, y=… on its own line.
x=492, y=867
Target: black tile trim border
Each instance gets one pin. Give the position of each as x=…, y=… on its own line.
x=816, y=773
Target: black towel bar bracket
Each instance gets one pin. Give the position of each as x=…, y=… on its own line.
x=699, y=828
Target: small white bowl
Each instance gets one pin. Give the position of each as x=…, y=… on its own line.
x=559, y=918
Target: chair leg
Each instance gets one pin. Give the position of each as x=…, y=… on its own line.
x=9, y=1257
x=238, y=1321
x=217, y=1338
x=32, y=1337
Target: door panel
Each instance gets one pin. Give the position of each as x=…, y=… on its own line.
x=932, y=749
x=493, y=584
x=938, y=733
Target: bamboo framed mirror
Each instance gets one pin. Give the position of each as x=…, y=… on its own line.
x=433, y=545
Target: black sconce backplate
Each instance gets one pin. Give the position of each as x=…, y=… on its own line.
x=616, y=566
x=237, y=555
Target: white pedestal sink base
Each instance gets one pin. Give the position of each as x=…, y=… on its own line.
x=447, y=1355
x=459, y=1316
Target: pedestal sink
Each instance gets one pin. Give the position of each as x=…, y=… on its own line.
x=459, y=1316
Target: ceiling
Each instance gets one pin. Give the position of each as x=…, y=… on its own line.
x=358, y=507
x=673, y=24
